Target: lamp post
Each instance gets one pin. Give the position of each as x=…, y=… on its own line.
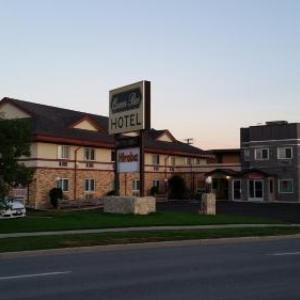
x=208, y=182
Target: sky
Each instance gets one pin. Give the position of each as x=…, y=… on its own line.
x=214, y=65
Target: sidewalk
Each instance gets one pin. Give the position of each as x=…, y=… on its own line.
x=137, y=229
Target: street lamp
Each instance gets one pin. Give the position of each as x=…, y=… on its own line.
x=208, y=181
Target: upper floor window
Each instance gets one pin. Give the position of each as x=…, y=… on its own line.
x=113, y=155
x=247, y=154
x=89, y=153
x=262, y=153
x=155, y=159
x=189, y=161
x=286, y=186
x=173, y=161
x=284, y=153
x=63, y=152
x=63, y=183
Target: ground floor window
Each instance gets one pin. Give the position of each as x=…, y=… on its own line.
x=286, y=186
x=89, y=185
x=63, y=183
x=135, y=185
x=156, y=183
x=236, y=189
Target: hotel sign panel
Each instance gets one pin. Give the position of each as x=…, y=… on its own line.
x=129, y=108
x=128, y=160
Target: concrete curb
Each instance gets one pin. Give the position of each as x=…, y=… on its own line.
x=146, y=245
x=138, y=229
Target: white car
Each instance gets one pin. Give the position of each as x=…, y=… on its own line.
x=15, y=208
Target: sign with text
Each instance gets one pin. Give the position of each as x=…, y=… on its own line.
x=129, y=108
x=128, y=160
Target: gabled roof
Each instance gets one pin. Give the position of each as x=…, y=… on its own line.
x=54, y=124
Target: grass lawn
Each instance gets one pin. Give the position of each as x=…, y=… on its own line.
x=67, y=241
x=62, y=220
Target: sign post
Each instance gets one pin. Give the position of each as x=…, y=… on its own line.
x=130, y=111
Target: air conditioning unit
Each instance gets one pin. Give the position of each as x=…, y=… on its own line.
x=90, y=165
x=156, y=168
x=63, y=163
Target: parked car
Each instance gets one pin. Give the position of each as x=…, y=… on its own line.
x=12, y=208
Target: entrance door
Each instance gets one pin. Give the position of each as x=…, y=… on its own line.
x=256, y=190
x=236, y=189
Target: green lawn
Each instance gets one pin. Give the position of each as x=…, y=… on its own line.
x=59, y=220
x=67, y=241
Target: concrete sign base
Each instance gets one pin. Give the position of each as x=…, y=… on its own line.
x=129, y=205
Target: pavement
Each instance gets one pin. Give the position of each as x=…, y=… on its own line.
x=139, y=229
x=259, y=270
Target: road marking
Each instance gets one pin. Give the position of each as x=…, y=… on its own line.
x=286, y=253
x=34, y=275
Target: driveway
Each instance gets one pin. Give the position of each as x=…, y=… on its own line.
x=287, y=212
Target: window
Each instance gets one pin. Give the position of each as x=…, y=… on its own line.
x=189, y=161
x=286, y=186
x=173, y=161
x=113, y=156
x=63, y=152
x=156, y=183
x=155, y=159
x=284, y=153
x=135, y=185
x=262, y=154
x=63, y=184
x=89, y=153
x=89, y=185
x=247, y=154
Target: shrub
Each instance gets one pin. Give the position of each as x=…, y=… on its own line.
x=177, y=187
x=154, y=191
x=111, y=193
x=55, y=195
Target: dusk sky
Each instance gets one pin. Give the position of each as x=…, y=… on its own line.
x=214, y=65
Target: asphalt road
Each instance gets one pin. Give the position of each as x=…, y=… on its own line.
x=249, y=270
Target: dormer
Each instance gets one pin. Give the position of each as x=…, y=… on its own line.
x=87, y=123
x=166, y=136
x=10, y=111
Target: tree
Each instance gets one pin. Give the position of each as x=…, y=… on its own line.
x=15, y=139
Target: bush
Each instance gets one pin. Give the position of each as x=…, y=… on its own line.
x=111, y=193
x=55, y=195
x=177, y=187
x=154, y=191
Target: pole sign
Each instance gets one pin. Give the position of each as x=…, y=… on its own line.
x=129, y=108
x=128, y=160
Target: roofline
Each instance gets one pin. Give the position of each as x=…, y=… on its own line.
x=224, y=150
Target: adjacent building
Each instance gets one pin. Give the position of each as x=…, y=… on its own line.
x=269, y=165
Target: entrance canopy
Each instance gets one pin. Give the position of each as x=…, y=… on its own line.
x=249, y=173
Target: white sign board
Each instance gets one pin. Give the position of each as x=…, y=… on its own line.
x=128, y=160
x=127, y=108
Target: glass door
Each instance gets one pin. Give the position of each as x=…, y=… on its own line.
x=256, y=190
